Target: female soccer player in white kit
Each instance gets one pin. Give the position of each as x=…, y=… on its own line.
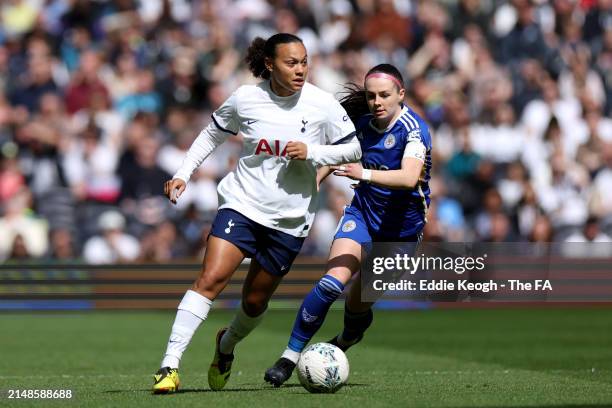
x=267, y=203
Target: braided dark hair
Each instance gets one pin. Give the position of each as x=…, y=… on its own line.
x=354, y=103
x=261, y=49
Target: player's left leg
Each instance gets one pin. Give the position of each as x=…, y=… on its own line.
x=221, y=259
x=358, y=315
x=344, y=260
x=348, y=249
x=258, y=288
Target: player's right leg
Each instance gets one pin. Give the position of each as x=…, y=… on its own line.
x=221, y=259
x=344, y=261
x=358, y=315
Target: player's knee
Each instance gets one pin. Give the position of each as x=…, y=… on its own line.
x=209, y=281
x=254, y=304
x=341, y=273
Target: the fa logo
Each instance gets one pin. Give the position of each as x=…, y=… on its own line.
x=230, y=224
x=390, y=141
x=304, y=122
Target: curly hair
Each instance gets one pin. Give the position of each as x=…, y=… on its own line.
x=261, y=49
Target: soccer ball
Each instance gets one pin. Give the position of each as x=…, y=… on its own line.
x=323, y=368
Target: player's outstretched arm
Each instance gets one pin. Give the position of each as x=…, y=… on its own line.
x=207, y=141
x=325, y=155
x=405, y=178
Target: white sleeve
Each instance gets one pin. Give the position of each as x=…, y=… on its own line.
x=339, y=127
x=226, y=117
x=325, y=155
x=208, y=139
x=415, y=149
x=341, y=144
x=225, y=123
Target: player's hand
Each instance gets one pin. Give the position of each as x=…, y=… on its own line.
x=297, y=150
x=354, y=171
x=173, y=189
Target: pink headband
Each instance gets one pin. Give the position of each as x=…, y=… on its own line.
x=385, y=76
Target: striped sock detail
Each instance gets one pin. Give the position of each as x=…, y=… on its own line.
x=329, y=288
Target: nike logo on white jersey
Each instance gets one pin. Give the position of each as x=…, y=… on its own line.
x=250, y=122
x=230, y=224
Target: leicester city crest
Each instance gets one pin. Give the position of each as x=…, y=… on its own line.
x=349, y=226
x=390, y=141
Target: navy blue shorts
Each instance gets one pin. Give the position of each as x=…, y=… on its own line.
x=353, y=226
x=274, y=250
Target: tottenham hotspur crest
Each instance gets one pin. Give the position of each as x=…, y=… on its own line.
x=390, y=141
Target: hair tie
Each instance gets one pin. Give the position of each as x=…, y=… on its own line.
x=386, y=76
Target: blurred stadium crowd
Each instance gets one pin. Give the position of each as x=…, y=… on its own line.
x=99, y=100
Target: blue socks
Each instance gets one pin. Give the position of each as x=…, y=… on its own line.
x=313, y=310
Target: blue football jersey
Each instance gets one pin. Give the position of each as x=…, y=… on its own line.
x=393, y=213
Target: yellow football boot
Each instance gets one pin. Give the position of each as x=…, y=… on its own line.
x=221, y=366
x=166, y=381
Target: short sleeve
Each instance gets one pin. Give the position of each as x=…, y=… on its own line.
x=226, y=116
x=340, y=128
x=415, y=146
x=416, y=150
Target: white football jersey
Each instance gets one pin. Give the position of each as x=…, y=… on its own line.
x=266, y=185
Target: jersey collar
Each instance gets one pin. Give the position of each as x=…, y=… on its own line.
x=275, y=97
x=391, y=125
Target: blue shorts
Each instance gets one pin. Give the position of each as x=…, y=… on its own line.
x=353, y=226
x=274, y=250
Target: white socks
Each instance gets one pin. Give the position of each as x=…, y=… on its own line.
x=291, y=355
x=192, y=311
x=240, y=327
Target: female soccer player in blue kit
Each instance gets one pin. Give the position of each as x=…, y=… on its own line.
x=289, y=128
x=390, y=205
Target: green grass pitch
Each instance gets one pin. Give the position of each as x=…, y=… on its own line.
x=433, y=358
